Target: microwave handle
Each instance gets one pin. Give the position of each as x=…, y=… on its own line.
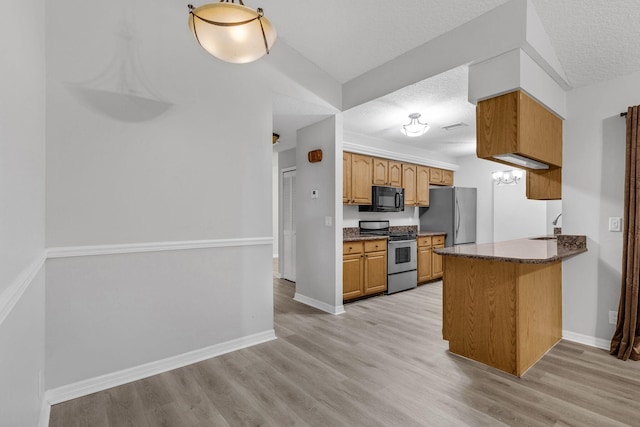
x=397, y=201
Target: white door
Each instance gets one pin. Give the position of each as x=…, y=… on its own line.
x=289, y=225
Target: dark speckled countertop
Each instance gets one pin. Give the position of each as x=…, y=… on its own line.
x=541, y=250
x=352, y=234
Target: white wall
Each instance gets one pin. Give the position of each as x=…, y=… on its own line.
x=200, y=171
x=516, y=217
x=22, y=153
x=592, y=187
x=319, y=247
x=504, y=212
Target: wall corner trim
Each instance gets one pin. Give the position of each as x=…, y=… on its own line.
x=103, y=382
x=586, y=340
x=45, y=412
x=11, y=296
x=323, y=306
x=128, y=248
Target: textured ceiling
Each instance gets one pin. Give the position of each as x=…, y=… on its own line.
x=595, y=40
x=442, y=101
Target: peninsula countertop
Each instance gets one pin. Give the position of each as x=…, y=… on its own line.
x=534, y=250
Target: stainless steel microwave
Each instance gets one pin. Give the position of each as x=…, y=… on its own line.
x=385, y=199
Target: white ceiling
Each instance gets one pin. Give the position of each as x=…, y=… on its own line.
x=595, y=40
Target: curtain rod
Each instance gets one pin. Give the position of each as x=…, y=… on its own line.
x=623, y=114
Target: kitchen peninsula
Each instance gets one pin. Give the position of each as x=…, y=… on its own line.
x=502, y=302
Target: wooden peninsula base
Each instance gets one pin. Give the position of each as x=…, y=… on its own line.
x=504, y=314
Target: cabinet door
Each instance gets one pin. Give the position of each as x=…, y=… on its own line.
x=424, y=263
x=409, y=176
x=394, y=173
x=435, y=176
x=361, y=178
x=447, y=177
x=375, y=272
x=436, y=264
x=544, y=184
x=422, y=186
x=380, y=171
x=352, y=276
x=346, y=177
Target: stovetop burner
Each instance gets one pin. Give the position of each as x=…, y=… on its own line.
x=381, y=228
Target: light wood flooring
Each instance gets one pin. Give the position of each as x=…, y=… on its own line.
x=383, y=363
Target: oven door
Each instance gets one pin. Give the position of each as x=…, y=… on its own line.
x=402, y=256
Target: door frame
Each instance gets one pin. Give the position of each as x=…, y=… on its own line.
x=281, y=218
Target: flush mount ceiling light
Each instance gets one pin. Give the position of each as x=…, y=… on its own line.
x=507, y=177
x=232, y=32
x=414, y=127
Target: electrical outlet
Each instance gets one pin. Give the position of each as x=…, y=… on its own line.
x=328, y=221
x=613, y=317
x=615, y=223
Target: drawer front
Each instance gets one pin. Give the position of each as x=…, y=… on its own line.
x=352, y=248
x=437, y=240
x=424, y=241
x=375, y=245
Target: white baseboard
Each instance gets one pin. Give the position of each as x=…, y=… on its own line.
x=45, y=412
x=319, y=304
x=103, y=382
x=586, y=340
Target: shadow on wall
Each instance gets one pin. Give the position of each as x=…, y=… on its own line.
x=611, y=205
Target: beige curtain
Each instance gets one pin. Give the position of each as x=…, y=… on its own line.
x=626, y=340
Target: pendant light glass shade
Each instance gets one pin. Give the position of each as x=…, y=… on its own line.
x=232, y=32
x=414, y=127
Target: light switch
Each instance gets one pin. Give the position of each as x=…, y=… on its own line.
x=615, y=224
x=314, y=194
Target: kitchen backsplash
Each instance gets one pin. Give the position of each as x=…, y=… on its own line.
x=352, y=217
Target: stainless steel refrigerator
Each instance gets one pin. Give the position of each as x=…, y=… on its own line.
x=452, y=210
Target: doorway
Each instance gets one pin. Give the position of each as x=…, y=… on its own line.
x=288, y=225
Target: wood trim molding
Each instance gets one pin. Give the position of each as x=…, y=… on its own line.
x=114, y=379
x=323, y=306
x=76, y=251
x=12, y=295
x=386, y=154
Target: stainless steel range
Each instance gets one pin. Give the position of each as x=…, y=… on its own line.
x=402, y=255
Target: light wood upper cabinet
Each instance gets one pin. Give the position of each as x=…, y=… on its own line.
x=395, y=173
x=422, y=186
x=409, y=179
x=346, y=177
x=364, y=268
x=387, y=172
x=544, y=184
x=440, y=177
x=514, y=123
x=360, y=180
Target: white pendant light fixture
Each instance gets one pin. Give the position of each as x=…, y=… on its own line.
x=232, y=32
x=414, y=127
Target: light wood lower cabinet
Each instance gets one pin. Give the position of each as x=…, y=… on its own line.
x=429, y=262
x=364, y=268
x=504, y=314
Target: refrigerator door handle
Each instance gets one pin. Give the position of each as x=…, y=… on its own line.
x=457, y=218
